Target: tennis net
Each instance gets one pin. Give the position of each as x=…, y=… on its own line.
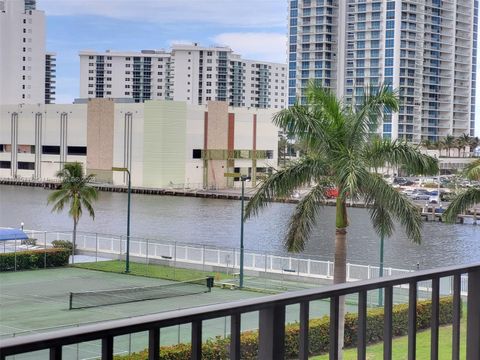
x=87, y=299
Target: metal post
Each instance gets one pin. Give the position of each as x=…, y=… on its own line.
x=241, y=233
x=45, y=248
x=129, y=190
x=96, y=247
x=473, y=315
x=127, y=260
x=380, y=271
x=15, y=255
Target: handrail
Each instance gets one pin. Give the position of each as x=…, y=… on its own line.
x=109, y=329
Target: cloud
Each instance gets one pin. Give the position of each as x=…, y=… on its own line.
x=266, y=46
x=245, y=13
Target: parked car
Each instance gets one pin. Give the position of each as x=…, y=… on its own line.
x=331, y=193
x=435, y=199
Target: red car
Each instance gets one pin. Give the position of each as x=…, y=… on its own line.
x=331, y=193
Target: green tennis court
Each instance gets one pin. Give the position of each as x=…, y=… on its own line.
x=32, y=301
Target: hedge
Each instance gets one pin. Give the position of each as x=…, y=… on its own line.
x=34, y=259
x=63, y=244
x=319, y=334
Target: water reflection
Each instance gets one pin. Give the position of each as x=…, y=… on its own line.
x=216, y=222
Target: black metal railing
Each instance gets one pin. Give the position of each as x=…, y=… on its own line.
x=272, y=320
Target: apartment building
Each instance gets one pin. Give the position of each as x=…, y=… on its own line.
x=163, y=143
x=27, y=72
x=426, y=49
x=190, y=73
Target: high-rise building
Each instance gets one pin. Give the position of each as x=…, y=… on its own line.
x=50, y=70
x=186, y=73
x=23, y=56
x=426, y=49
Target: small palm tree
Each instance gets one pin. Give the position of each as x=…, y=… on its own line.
x=427, y=144
x=468, y=198
x=342, y=152
x=473, y=143
x=75, y=192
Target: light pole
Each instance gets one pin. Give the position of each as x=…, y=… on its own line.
x=243, y=178
x=127, y=257
x=380, y=271
x=21, y=225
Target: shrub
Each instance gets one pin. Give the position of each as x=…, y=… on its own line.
x=62, y=244
x=319, y=334
x=34, y=259
x=29, y=242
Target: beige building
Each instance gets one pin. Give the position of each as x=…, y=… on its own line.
x=162, y=143
x=192, y=73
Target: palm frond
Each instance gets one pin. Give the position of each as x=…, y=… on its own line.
x=380, y=152
x=462, y=203
x=303, y=219
x=349, y=174
x=300, y=122
x=378, y=193
x=473, y=170
x=283, y=182
x=381, y=220
x=364, y=119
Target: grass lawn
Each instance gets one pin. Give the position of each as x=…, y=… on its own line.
x=400, y=349
x=152, y=270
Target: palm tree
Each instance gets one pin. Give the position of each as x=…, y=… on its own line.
x=75, y=192
x=282, y=149
x=465, y=141
x=473, y=143
x=427, y=144
x=448, y=142
x=468, y=198
x=459, y=145
x=341, y=151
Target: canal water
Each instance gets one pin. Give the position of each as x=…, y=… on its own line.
x=217, y=222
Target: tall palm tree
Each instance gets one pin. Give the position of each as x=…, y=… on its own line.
x=342, y=152
x=465, y=141
x=75, y=192
x=468, y=198
x=448, y=143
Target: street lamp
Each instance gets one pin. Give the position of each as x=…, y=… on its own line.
x=243, y=178
x=380, y=271
x=127, y=258
x=21, y=225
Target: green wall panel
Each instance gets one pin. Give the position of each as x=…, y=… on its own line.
x=164, y=143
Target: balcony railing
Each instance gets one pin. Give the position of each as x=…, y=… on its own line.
x=272, y=321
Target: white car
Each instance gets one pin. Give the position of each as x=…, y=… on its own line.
x=434, y=199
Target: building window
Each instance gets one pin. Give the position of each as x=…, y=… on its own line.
x=77, y=150
x=23, y=165
x=5, y=164
x=51, y=150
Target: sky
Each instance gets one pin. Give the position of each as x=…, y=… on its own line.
x=256, y=29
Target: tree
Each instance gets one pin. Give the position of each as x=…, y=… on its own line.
x=448, y=143
x=463, y=142
x=341, y=151
x=473, y=143
x=427, y=144
x=282, y=149
x=75, y=192
x=466, y=199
